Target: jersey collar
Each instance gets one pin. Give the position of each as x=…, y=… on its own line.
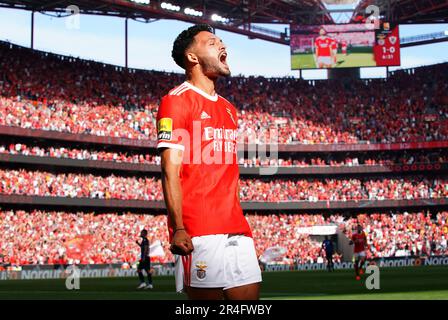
x=202, y=93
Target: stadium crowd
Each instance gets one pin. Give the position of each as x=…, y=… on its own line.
x=73, y=185
x=47, y=237
x=55, y=93
x=349, y=160
x=40, y=237
x=404, y=234
x=79, y=154
x=342, y=189
x=384, y=159
x=40, y=183
x=49, y=92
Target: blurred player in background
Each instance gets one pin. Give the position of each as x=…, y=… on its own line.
x=145, y=262
x=327, y=246
x=210, y=237
x=359, y=239
x=344, y=47
x=322, y=49
x=334, y=51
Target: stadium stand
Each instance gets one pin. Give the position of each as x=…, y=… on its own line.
x=383, y=159
x=44, y=237
x=41, y=183
x=47, y=93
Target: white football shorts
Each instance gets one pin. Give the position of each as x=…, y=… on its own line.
x=218, y=261
x=324, y=60
x=361, y=254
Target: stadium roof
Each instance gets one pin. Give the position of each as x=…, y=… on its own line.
x=408, y=11
x=243, y=14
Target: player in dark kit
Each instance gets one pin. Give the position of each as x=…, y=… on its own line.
x=327, y=246
x=145, y=262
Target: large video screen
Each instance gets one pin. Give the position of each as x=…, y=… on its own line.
x=344, y=46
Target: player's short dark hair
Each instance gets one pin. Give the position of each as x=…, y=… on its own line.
x=184, y=41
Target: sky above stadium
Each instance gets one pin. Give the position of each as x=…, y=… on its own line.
x=102, y=39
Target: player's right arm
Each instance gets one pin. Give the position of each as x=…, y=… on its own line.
x=171, y=116
x=172, y=191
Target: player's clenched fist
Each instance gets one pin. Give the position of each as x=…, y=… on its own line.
x=181, y=244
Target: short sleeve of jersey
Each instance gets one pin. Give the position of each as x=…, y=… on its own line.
x=170, y=118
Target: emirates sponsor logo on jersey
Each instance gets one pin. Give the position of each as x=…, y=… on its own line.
x=223, y=139
x=211, y=133
x=165, y=129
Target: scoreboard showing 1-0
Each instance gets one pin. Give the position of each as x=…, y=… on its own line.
x=387, y=45
x=344, y=45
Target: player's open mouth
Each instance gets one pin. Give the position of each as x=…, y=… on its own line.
x=223, y=58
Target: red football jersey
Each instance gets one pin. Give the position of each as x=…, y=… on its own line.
x=360, y=241
x=205, y=128
x=324, y=46
x=334, y=44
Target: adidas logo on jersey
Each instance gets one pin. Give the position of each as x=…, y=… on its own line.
x=204, y=115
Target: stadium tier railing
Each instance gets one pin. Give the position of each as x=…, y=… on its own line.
x=250, y=171
x=149, y=144
x=246, y=205
x=75, y=163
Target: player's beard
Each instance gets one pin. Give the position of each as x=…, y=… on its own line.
x=213, y=68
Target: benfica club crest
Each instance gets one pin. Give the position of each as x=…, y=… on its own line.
x=200, y=270
x=393, y=39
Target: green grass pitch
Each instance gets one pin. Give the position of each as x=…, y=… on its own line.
x=413, y=283
x=306, y=61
